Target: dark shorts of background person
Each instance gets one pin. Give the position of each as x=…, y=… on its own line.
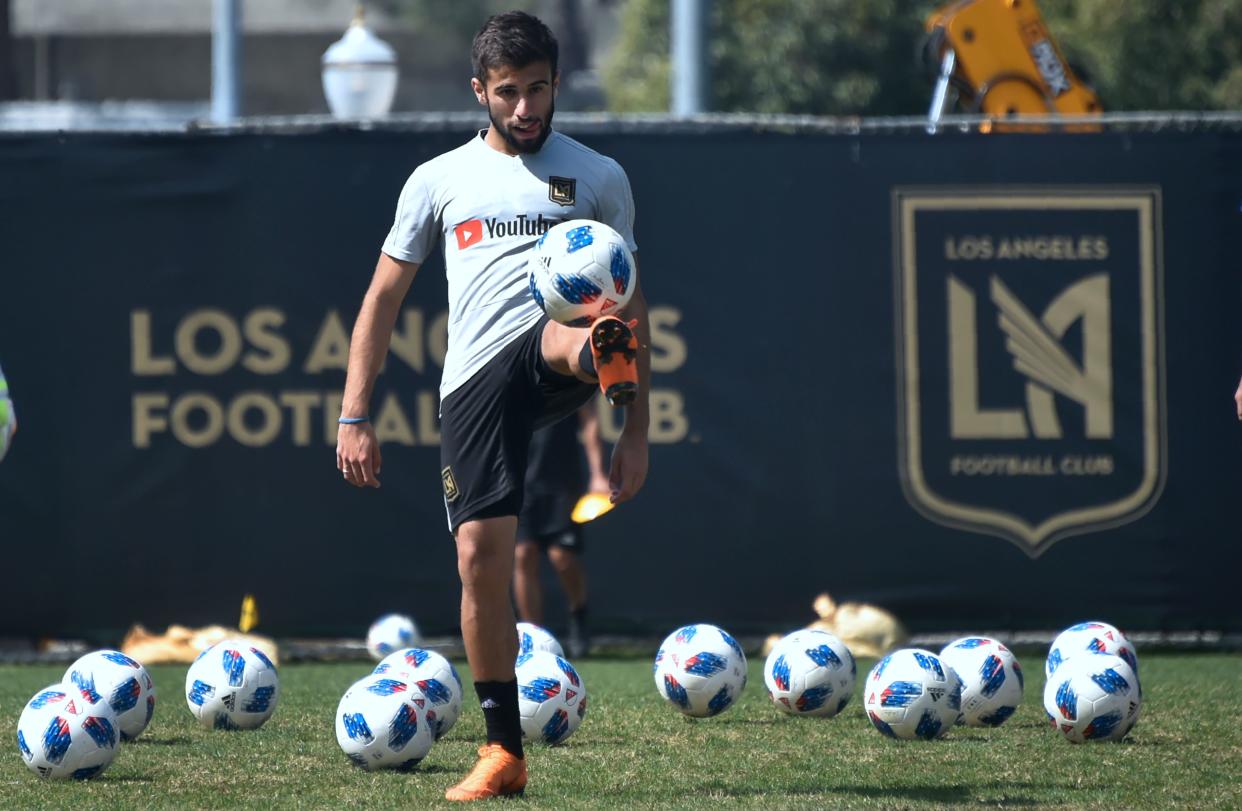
x=545, y=521
x=486, y=426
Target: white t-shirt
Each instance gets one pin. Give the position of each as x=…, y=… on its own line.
x=488, y=208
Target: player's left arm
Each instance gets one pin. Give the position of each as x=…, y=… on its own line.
x=629, y=455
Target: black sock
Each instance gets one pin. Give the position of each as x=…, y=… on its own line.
x=586, y=360
x=499, y=700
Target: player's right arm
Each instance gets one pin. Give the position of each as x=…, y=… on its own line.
x=357, y=451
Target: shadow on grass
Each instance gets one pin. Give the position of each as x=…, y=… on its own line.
x=744, y=721
x=432, y=769
x=956, y=739
x=948, y=795
x=144, y=741
x=954, y=795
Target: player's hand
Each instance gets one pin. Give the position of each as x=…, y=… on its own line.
x=629, y=466
x=358, y=454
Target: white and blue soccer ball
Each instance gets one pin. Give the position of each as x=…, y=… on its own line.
x=532, y=638
x=1093, y=698
x=1085, y=638
x=111, y=676
x=992, y=679
x=391, y=632
x=700, y=670
x=435, y=676
x=552, y=697
x=385, y=723
x=62, y=736
x=810, y=673
x=580, y=270
x=911, y=694
x=232, y=685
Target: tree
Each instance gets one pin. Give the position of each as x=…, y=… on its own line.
x=825, y=57
x=846, y=57
x=460, y=20
x=1154, y=54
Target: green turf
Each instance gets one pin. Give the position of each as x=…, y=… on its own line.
x=635, y=751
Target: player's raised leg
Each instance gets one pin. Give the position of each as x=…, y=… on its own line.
x=570, y=351
x=485, y=564
x=607, y=353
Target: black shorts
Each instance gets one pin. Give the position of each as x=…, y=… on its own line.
x=486, y=424
x=545, y=520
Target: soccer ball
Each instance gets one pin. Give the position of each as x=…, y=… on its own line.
x=700, y=669
x=580, y=270
x=1089, y=637
x=1093, y=698
x=109, y=675
x=991, y=677
x=389, y=633
x=912, y=694
x=232, y=685
x=434, y=675
x=385, y=723
x=62, y=736
x=552, y=698
x=533, y=638
x=810, y=673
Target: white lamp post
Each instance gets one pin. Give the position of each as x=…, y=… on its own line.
x=359, y=73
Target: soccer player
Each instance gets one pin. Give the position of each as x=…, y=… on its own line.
x=555, y=478
x=508, y=368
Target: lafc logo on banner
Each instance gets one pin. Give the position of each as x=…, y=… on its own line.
x=1030, y=352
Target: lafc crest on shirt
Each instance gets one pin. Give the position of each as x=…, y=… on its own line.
x=562, y=190
x=450, y=484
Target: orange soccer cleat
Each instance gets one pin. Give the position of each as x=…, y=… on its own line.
x=615, y=349
x=497, y=774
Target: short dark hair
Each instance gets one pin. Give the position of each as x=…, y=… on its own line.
x=513, y=39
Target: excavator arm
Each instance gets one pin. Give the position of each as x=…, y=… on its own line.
x=996, y=58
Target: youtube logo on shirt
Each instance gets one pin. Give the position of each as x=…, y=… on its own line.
x=471, y=232
x=468, y=233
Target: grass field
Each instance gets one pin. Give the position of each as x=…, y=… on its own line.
x=634, y=751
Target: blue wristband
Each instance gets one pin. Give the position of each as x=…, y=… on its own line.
x=353, y=420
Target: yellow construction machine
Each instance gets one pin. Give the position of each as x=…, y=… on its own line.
x=996, y=58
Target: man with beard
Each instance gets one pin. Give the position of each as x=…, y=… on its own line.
x=508, y=369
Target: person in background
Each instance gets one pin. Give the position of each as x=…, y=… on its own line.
x=555, y=479
x=8, y=417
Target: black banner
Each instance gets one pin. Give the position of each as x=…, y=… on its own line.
x=983, y=381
